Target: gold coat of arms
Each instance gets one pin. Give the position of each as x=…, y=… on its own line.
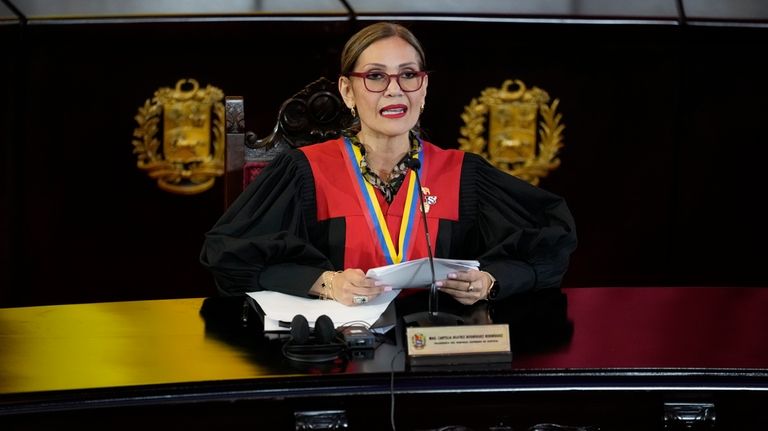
x=514, y=117
x=190, y=121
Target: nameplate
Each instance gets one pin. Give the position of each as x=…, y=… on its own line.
x=459, y=344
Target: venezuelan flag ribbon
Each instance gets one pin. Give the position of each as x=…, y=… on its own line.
x=372, y=210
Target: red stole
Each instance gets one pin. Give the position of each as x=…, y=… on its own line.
x=339, y=194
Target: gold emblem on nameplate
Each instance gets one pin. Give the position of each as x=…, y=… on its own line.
x=418, y=341
x=429, y=199
x=190, y=121
x=514, y=115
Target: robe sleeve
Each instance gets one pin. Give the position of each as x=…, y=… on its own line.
x=262, y=242
x=522, y=234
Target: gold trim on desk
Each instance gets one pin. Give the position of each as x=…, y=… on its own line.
x=113, y=344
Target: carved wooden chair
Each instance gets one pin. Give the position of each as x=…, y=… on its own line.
x=314, y=114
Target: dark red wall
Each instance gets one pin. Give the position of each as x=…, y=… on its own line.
x=662, y=165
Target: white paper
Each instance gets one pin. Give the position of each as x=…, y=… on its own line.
x=417, y=274
x=279, y=307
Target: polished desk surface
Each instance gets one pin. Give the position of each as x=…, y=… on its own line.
x=147, y=343
x=662, y=328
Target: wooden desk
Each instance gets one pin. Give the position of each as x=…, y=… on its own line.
x=614, y=358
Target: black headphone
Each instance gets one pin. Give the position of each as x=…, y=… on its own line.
x=323, y=344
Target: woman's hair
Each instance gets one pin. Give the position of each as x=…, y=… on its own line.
x=374, y=33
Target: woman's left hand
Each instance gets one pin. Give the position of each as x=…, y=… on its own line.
x=467, y=287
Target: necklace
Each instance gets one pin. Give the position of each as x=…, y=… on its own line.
x=388, y=186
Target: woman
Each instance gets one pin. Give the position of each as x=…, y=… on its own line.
x=319, y=217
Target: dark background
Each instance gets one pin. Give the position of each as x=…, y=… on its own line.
x=662, y=167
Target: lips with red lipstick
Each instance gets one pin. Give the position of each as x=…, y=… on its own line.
x=393, y=111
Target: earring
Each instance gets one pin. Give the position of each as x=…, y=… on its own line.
x=354, y=113
x=421, y=111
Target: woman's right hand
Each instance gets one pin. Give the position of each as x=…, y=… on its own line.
x=351, y=287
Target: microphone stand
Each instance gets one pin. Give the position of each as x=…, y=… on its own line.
x=432, y=317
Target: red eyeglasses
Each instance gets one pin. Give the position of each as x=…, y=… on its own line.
x=377, y=82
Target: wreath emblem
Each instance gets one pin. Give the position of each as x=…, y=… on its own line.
x=512, y=143
x=191, y=122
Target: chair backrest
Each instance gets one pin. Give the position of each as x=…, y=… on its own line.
x=315, y=114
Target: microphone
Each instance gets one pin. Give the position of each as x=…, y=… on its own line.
x=415, y=165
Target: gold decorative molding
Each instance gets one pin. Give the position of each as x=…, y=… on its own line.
x=512, y=143
x=187, y=161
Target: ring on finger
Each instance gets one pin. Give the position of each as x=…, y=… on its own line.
x=359, y=299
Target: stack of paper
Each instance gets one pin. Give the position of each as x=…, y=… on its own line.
x=417, y=274
x=279, y=307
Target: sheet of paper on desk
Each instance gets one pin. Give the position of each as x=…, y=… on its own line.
x=417, y=274
x=279, y=307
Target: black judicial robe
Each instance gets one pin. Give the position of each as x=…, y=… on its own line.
x=271, y=238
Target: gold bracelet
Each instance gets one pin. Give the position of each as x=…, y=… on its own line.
x=327, y=284
x=492, y=281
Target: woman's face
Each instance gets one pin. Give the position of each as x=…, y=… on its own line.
x=392, y=112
